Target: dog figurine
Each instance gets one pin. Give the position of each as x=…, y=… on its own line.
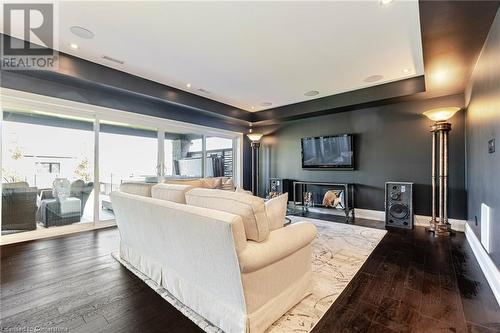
x=331, y=199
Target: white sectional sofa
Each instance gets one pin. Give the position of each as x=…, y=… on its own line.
x=216, y=251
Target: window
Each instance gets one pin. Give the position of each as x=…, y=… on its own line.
x=219, y=157
x=50, y=164
x=183, y=155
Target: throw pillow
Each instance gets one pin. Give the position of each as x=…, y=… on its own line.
x=240, y=190
x=251, y=209
x=192, y=182
x=276, y=211
x=171, y=192
x=212, y=182
x=227, y=184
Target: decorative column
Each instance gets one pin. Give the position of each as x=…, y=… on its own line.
x=443, y=228
x=255, y=167
x=440, y=131
x=255, y=138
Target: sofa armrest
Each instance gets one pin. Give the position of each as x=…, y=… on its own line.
x=280, y=244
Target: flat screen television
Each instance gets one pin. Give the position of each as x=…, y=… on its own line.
x=329, y=152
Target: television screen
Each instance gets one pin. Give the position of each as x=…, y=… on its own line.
x=328, y=152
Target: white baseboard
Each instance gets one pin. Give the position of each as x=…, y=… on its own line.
x=488, y=267
x=369, y=214
x=420, y=220
x=457, y=225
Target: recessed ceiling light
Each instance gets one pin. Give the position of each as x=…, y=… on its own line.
x=406, y=71
x=311, y=93
x=188, y=85
x=81, y=32
x=266, y=104
x=385, y=2
x=73, y=46
x=373, y=78
x=252, y=107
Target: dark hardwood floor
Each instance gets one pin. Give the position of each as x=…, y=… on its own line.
x=411, y=282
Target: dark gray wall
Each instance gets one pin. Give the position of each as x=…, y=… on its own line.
x=483, y=124
x=393, y=143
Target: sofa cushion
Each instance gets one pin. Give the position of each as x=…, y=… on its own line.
x=171, y=192
x=276, y=211
x=137, y=188
x=212, y=182
x=251, y=209
x=191, y=182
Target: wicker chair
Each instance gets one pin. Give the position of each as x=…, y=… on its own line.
x=18, y=206
x=50, y=212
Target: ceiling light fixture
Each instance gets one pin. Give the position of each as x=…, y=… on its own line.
x=311, y=93
x=266, y=104
x=439, y=76
x=188, y=85
x=252, y=107
x=406, y=71
x=81, y=32
x=385, y=2
x=73, y=46
x=254, y=136
x=373, y=78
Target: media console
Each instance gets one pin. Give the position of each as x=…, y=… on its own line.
x=318, y=190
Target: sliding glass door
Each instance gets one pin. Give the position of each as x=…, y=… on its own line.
x=220, y=156
x=183, y=155
x=127, y=153
x=61, y=160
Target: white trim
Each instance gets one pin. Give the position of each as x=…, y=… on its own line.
x=160, y=167
x=54, y=232
x=97, y=184
x=369, y=214
x=457, y=225
x=238, y=154
x=420, y=220
x=487, y=265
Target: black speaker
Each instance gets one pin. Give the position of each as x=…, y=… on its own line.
x=399, y=205
x=281, y=185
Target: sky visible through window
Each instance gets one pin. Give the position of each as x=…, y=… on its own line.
x=122, y=157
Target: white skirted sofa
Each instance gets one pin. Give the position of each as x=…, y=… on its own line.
x=225, y=255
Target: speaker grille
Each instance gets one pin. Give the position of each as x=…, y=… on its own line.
x=399, y=204
x=399, y=211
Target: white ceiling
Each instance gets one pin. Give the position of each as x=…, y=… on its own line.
x=247, y=53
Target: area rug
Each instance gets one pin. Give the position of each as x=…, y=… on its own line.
x=339, y=251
